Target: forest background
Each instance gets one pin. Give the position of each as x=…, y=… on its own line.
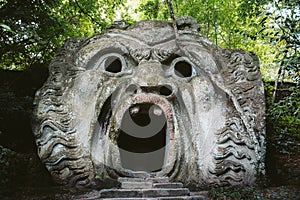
x=32, y=31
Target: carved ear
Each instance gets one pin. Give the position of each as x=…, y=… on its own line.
x=121, y=24
x=188, y=24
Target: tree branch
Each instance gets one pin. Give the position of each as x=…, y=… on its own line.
x=171, y=11
x=87, y=14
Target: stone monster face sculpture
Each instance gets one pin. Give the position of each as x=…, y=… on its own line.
x=141, y=99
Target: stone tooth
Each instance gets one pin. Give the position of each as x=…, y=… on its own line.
x=157, y=111
x=134, y=110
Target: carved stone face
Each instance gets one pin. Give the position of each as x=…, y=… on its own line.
x=142, y=100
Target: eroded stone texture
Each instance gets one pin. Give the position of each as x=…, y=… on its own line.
x=140, y=99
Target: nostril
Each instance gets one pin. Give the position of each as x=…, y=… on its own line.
x=132, y=89
x=165, y=90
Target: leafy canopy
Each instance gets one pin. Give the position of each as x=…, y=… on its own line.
x=31, y=31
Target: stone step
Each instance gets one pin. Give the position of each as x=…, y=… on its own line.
x=154, y=179
x=147, y=185
x=129, y=198
x=136, y=185
x=165, y=192
x=128, y=179
x=167, y=185
x=129, y=193
x=140, y=174
x=200, y=197
x=159, y=179
x=121, y=193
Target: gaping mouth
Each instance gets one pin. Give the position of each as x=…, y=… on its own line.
x=139, y=128
x=142, y=138
x=143, y=129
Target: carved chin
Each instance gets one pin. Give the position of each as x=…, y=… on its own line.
x=141, y=129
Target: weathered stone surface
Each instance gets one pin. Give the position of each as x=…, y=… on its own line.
x=164, y=198
x=128, y=179
x=167, y=185
x=141, y=99
x=123, y=193
x=130, y=198
x=136, y=185
x=184, y=198
x=159, y=179
x=162, y=192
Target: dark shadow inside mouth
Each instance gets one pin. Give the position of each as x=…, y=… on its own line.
x=141, y=118
x=143, y=153
x=104, y=118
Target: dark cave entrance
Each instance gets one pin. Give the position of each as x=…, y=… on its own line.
x=142, y=138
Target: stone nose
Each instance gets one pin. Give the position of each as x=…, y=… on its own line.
x=149, y=73
x=149, y=78
x=165, y=90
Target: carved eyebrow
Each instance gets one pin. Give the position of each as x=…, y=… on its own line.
x=106, y=50
x=128, y=37
x=171, y=42
x=112, y=49
x=137, y=49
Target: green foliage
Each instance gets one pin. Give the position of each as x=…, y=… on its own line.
x=284, y=120
x=220, y=20
x=5, y=164
x=228, y=23
x=150, y=9
x=282, y=28
x=31, y=31
x=153, y=9
x=21, y=170
x=6, y=28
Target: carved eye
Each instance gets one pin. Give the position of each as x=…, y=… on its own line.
x=113, y=63
x=182, y=67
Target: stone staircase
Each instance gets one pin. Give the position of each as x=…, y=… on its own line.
x=148, y=188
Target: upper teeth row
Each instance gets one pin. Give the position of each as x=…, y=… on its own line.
x=155, y=109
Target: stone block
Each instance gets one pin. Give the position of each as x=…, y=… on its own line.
x=163, y=192
x=167, y=185
x=136, y=185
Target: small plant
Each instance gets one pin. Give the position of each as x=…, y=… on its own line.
x=233, y=192
x=5, y=164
